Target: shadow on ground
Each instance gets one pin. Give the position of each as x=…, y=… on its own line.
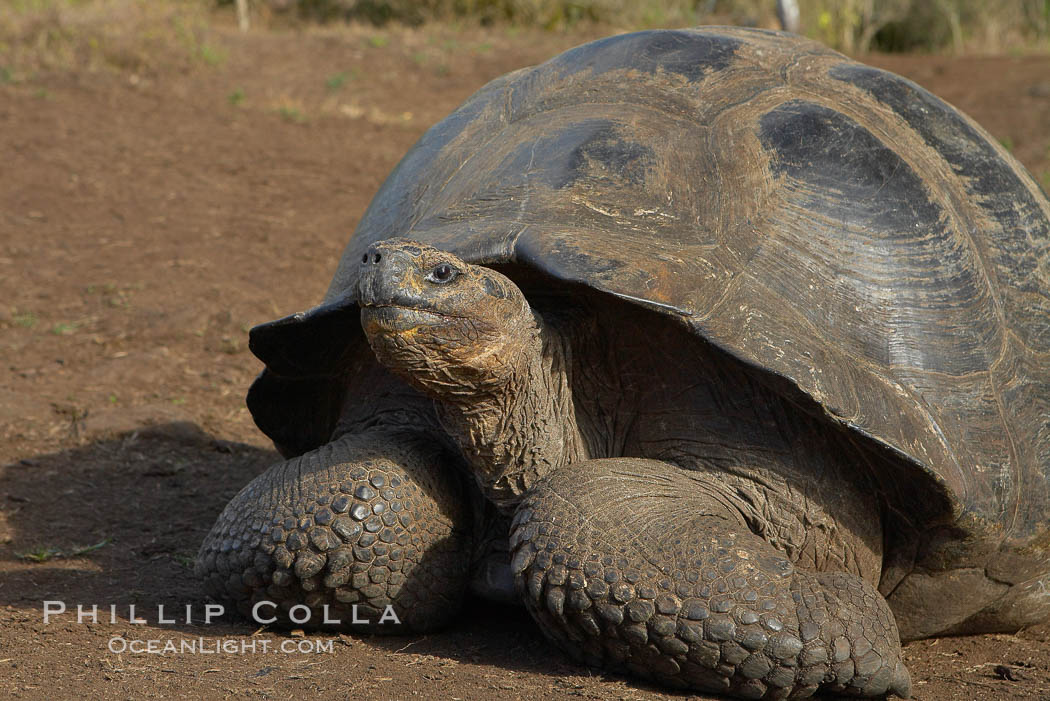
x=119, y=522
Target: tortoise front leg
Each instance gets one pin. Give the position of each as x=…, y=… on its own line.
x=372, y=519
x=629, y=564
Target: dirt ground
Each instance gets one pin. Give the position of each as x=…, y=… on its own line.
x=149, y=216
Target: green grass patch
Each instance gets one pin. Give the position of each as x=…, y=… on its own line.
x=64, y=328
x=113, y=295
x=184, y=559
x=41, y=554
x=105, y=288
x=236, y=97
x=211, y=55
x=378, y=41
x=46, y=553
x=336, y=81
x=77, y=552
x=291, y=114
x=26, y=320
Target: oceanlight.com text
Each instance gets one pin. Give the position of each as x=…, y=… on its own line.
x=219, y=646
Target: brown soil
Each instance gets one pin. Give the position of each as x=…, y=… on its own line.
x=148, y=218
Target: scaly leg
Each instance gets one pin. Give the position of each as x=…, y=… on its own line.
x=630, y=564
x=371, y=519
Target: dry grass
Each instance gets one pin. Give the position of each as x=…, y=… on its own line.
x=142, y=35
x=849, y=25
x=135, y=35
x=956, y=26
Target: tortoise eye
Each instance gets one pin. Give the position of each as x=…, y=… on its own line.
x=442, y=274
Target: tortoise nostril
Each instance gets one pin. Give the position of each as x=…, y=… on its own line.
x=364, y=258
x=376, y=258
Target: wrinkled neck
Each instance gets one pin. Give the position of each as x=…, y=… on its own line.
x=515, y=432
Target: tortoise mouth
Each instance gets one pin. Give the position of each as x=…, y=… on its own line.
x=398, y=317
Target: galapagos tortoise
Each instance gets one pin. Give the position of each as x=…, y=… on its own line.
x=745, y=344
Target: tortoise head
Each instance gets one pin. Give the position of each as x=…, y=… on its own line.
x=444, y=325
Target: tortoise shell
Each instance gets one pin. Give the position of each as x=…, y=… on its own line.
x=833, y=225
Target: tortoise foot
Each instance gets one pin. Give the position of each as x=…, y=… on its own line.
x=369, y=532
x=626, y=569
